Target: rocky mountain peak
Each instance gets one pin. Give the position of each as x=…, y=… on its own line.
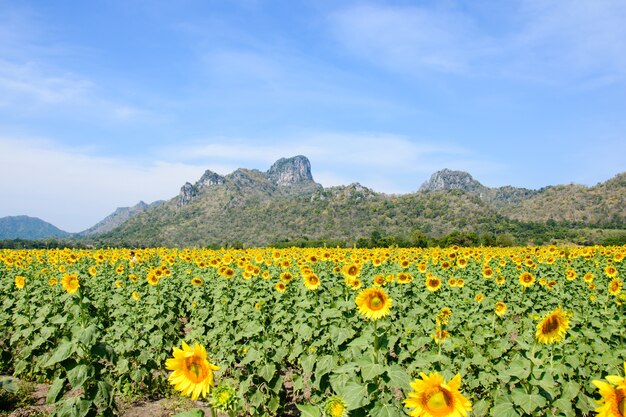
x=209, y=178
x=447, y=179
x=287, y=171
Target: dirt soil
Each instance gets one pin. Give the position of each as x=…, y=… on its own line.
x=165, y=407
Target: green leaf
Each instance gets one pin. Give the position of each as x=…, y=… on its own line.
x=8, y=384
x=324, y=365
x=55, y=391
x=196, y=412
x=79, y=374
x=565, y=406
x=88, y=336
x=307, y=363
x=519, y=368
x=309, y=410
x=385, y=410
x=339, y=335
x=251, y=356
x=398, y=378
x=480, y=408
x=63, y=352
x=504, y=409
x=528, y=402
x=355, y=395
x=267, y=371
x=104, y=395
x=370, y=370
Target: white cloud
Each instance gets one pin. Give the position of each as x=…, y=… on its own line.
x=552, y=41
x=73, y=189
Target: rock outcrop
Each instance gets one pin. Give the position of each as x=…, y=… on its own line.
x=289, y=171
x=447, y=179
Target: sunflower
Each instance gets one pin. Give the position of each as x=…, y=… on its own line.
x=433, y=283
x=479, y=297
x=70, y=283
x=588, y=277
x=135, y=295
x=93, y=271
x=570, y=274
x=526, y=279
x=373, y=303
x=312, y=282
x=351, y=270
x=615, y=286
x=610, y=271
x=553, y=327
x=53, y=281
x=500, y=309
x=379, y=280
x=286, y=276
x=152, y=278
x=444, y=315
x=404, y=278
x=487, y=272
x=196, y=281
x=335, y=407
x=193, y=373
x=20, y=281
x=613, y=401
x=280, y=286
x=224, y=398
x=440, y=336
x=433, y=397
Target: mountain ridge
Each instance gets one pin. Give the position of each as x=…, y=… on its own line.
x=285, y=202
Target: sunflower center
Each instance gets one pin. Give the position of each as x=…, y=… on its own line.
x=439, y=402
x=336, y=410
x=196, y=369
x=550, y=325
x=376, y=303
x=620, y=399
x=224, y=397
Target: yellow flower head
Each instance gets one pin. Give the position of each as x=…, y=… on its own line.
x=70, y=283
x=615, y=286
x=280, y=286
x=526, y=279
x=193, y=373
x=335, y=407
x=553, y=327
x=433, y=397
x=613, y=401
x=433, y=283
x=500, y=309
x=373, y=303
x=20, y=281
x=312, y=282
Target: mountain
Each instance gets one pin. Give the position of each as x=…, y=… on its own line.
x=119, y=216
x=31, y=228
x=286, y=204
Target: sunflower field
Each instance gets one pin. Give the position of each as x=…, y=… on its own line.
x=506, y=332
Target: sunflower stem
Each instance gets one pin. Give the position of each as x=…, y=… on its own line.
x=552, y=359
x=375, y=343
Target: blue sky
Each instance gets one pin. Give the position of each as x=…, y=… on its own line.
x=105, y=103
